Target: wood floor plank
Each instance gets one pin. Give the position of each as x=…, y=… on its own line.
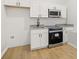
x=61, y=52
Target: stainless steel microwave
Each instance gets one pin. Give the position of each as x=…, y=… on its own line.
x=54, y=13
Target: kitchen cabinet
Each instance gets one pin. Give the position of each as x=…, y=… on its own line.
x=65, y=36
x=39, y=38
x=35, y=39
x=38, y=7
x=66, y=30
x=63, y=10
x=41, y=8
x=17, y=3
x=63, y=13
x=24, y=3
x=44, y=38
x=34, y=8
x=11, y=2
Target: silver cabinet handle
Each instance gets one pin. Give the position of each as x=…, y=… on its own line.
x=18, y=3
x=41, y=35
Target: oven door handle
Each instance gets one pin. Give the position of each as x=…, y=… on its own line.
x=55, y=31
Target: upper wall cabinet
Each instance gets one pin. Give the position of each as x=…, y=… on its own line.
x=17, y=3
x=11, y=2
x=63, y=11
x=25, y=3
x=34, y=8
x=43, y=10
x=38, y=8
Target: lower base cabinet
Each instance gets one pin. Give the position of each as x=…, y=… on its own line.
x=66, y=31
x=39, y=38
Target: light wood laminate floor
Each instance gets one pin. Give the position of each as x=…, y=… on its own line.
x=61, y=52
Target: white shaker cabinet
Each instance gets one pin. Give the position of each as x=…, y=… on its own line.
x=66, y=31
x=34, y=10
x=17, y=3
x=44, y=10
x=24, y=3
x=63, y=10
x=38, y=7
x=39, y=38
x=44, y=38
x=35, y=39
x=65, y=36
x=11, y=2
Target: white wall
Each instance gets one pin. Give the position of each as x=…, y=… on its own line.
x=72, y=19
x=60, y=2
x=17, y=26
x=3, y=28
x=72, y=13
x=17, y=23
x=72, y=36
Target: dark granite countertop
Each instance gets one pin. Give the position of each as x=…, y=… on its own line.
x=51, y=26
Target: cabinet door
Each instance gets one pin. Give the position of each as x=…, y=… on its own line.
x=44, y=10
x=63, y=11
x=38, y=7
x=35, y=39
x=11, y=2
x=65, y=36
x=66, y=32
x=24, y=3
x=34, y=10
x=44, y=38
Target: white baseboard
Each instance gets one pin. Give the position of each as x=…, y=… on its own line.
x=72, y=45
x=5, y=50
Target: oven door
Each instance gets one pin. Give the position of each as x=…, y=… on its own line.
x=55, y=37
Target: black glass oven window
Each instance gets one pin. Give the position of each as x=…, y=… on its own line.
x=55, y=37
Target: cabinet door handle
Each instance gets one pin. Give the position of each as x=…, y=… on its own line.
x=39, y=35
x=19, y=3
